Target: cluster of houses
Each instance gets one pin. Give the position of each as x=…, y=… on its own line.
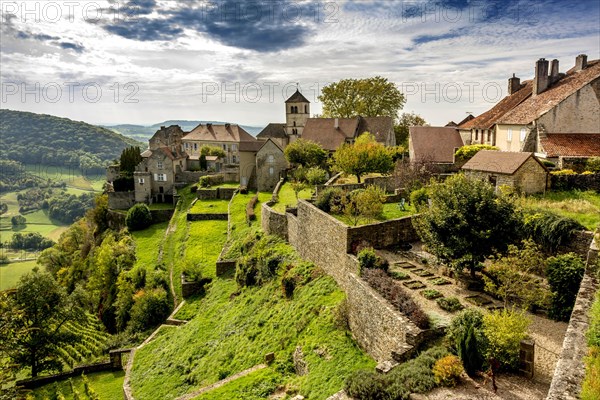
x=555, y=117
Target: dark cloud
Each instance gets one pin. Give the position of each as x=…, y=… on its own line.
x=263, y=25
x=78, y=48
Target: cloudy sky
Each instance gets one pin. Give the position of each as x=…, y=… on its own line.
x=145, y=61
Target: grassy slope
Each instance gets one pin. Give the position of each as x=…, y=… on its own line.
x=209, y=207
x=228, y=334
x=287, y=197
x=10, y=273
x=147, y=243
x=583, y=207
x=108, y=386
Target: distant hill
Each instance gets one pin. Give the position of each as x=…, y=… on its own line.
x=145, y=132
x=48, y=140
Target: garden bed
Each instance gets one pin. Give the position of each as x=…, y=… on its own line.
x=414, y=285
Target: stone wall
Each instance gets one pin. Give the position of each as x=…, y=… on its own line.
x=273, y=222
x=570, y=369
x=189, y=176
x=75, y=372
x=116, y=220
x=581, y=182
x=121, y=200
x=217, y=193
x=387, y=183
x=383, y=234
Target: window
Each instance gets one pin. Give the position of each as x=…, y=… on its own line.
x=195, y=146
x=234, y=159
x=523, y=134
x=489, y=135
x=161, y=178
x=234, y=147
x=270, y=159
x=509, y=134
x=476, y=134
x=141, y=181
x=225, y=147
x=187, y=146
x=159, y=164
x=294, y=123
x=271, y=171
x=305, y=109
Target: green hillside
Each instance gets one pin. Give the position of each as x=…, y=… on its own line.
x=41, y=139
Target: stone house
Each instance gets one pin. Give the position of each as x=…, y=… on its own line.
x=520, y=170
x=155, y=177
x=262, y=164
x=551, y=104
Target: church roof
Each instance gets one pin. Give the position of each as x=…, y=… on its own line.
x=297, y=97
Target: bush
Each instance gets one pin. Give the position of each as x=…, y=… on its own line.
x=549, y=230
x=564, y=172
x=450, y=304
x=396, y=295
x=419, y=198
x=564, y=273
x=150, y=309
x=447, y=370
x=124, y=184
x=329, y=196
x=467, y=152
x=548, y=164
x=366, y=385
x=211, y=180
x=593, y=164
x=316, y=176
x=431, y=294
x=262, y=257
x=138, y=217
x=18, y=220
x=504, y=330
x=367, y=259
x=192, y=272
x=467, y=339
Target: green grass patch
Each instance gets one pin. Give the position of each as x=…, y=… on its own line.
x=255, y=386
x=582, y=206
x=287, y=197
x=11, y=273
x=147, y=244
x=161, y=206
x=108, y=386
x=205, y=242
x=210, y=207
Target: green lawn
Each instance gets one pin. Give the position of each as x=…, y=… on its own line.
x=583, y=207
x=210, y=207
x=238, y=211
x=205, y=242
x=390, y=211
x=287, y=197
x=147, y=244
x=107, y=385
x=10, y=273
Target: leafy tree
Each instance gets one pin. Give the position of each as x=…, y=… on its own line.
x=138, y=217
x=564, y=273
x=516, y=276
x=401, y=129
x=29, y=241
x=316, y=176
x=3, y=208
x=36, y=330
x=467, y=339
x=369, y=97
x=18, y=220
x=305, y=153
x=504, y=330
x=149, y=310
x=467, y=152
x=130, y=158
x=364, y=156
x=466, y=222
x=212, y=151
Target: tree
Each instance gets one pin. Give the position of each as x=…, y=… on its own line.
x=564, y=273
x=467, y=339
x=130, y=158
x=305, y=153
x=401, y=129
x=36, y=330
x=316, y=176
x=212, y=151
x=466, y=222
x=369, y=97
x=138, y=217
x=364, y=156
x=18, y=220
x=504, y=330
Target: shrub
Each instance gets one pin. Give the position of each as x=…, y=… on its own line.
x=138, y=217
x=467, y=152
x=365, y=385
x=18, y=220
x=316, y=176
x=327, y=197
x=564, y=273
x=192, y=272
x=124, y=184
x=211, y=180
x=399, y=275
x=467, y=338
x=548, y=164
x=549, y=230
x=150, y=309
x=396, y=295
x=419, y=198
x=430, y=294
x=564, y=172
x=593, y=164
x=263, y=257
x=451, y=304
x=366, y=259
x=504, y=330
x=447, y=370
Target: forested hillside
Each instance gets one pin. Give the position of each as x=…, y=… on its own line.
x=48, y=140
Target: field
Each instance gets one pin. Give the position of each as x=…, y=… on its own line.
x=10, y=273
x=584, y=207
x=74, y=178
x=108, y=386
x=287, y=197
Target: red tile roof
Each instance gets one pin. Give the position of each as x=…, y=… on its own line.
x=434, y=144
x=571, y=144
x=499, y=162
x=218, y=133
x=323, y=131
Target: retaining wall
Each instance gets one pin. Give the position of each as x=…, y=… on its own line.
x=76, y=372
x=273, y=222
x=581, y=182
x=121, y=200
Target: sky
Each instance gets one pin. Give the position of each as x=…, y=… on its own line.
x=147, y=61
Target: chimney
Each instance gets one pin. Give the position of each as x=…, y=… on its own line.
x=209, y=125
x=580, y=62
x=162, y=127
x=336, y=124
x=554, y=71
x=227, y=125
x=514, y=84
x=540, y=82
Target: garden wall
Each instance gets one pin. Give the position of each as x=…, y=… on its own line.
x=581, y=182
x=273, y=222
x=570, y=369
x=383, y=234
x=75, y=372
x=217, y=193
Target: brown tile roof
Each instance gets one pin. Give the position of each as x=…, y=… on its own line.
x=435, y=144
x=571, y=144
x=489, y=118
x=297, y=97
x=146, y=153
x=218, y=133
x=381, y=127
x=274, y=130
x=251, y=146
x=536, y=106
x=173, y=155
x=500, y=162
x=323, y=131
